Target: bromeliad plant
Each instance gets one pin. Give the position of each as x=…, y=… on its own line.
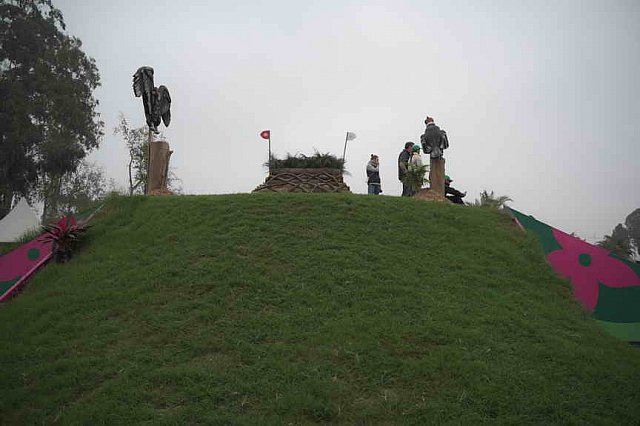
x=64, y=236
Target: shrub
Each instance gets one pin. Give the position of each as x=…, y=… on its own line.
x=301, y=161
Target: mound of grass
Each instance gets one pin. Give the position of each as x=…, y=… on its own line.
x=299, y=309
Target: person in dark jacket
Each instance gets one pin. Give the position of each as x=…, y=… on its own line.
x=434, y=140
x=451, y=193
x=403, y=162
x=373, y=176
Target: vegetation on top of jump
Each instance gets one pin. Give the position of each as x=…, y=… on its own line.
x=307, y=308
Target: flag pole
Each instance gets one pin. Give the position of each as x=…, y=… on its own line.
x=344, y=151
x=269, y=153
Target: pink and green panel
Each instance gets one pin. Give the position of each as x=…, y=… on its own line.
x=606, y=285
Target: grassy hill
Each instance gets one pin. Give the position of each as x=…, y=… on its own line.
x=307, y=308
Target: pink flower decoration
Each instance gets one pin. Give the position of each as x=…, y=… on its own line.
x=585, y=265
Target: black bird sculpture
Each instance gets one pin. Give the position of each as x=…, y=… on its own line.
x=156, y=100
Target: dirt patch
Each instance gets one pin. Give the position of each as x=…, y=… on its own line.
x=429, y=195
x=155, y=192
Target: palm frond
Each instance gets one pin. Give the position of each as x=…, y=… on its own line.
x=415, y=177
x=489, y=199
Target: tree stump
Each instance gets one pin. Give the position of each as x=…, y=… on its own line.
x=436, y=175
x=159, y=155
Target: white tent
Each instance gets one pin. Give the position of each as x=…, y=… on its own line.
x=19, y=220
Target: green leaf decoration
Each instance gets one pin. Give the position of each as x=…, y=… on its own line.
x=6, y=285
x=618, y=304
x=542, y=230
x=633, y=265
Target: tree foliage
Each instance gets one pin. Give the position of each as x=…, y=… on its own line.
x=80, y=190
x=137, y=142
x=632, y=223
x=48, y=112
x=618, y=242
x=624, y=240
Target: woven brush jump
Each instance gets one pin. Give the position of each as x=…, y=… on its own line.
x=304, y=180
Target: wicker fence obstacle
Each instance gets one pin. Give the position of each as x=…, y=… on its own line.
x=304, y=180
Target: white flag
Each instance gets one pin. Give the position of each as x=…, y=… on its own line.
x=351, y=136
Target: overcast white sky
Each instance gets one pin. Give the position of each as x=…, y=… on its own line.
x=540, y=98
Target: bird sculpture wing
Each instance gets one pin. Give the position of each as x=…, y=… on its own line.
x=143, y=81
x=143, y=86
x=165, y=104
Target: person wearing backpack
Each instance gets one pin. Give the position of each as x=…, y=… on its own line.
x=434, y=140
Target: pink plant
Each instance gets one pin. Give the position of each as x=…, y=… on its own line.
x=64, y=235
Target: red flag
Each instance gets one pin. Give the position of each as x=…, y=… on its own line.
x=265, y=134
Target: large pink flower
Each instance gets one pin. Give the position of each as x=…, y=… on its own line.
x=586, y=265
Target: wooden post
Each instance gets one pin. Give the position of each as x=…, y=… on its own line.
x=149, y=142
x=436, y=175
x=159, y=155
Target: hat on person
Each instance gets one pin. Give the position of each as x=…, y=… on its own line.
x=428, y=120
x=416, y=148
x=447, y=178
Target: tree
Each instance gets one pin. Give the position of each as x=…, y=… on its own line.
x=138, y=145
x=632, y=222
x=80, y=190
x=618, y=242
x=489, y=199
x=137, y=142
x=624, y=240
x=48, y=112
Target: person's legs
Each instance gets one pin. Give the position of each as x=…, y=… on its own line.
x=377, y=190
x=455, y=199
x=371, y=189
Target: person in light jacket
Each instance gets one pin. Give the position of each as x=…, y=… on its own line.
x=416, y=159
x=373, y=176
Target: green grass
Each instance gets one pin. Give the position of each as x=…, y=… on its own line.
x=307, y=308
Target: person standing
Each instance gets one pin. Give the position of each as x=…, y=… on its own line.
x=403, y=163
x=434, y=140
x=416, y=159
x=373, y=176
